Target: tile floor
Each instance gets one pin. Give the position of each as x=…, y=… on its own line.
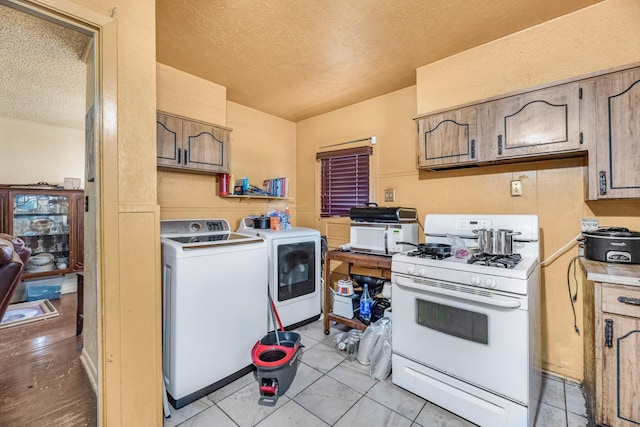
x=329, y=390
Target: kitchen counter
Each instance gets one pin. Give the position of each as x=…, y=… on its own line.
x=622, y=274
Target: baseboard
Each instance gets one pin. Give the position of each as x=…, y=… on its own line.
x=90, y=369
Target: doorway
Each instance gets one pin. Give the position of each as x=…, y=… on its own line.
x=42, y=95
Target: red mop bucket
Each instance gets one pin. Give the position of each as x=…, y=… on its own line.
x=276, y=360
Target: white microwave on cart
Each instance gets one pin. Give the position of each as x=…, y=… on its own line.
x=294, y=271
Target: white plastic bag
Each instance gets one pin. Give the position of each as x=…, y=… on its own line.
x=369, y=340
x=381, y=353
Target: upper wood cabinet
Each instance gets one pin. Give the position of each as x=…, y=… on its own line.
x=447, y=139
x=617, y=171
x=190, y=145
x=541, y=122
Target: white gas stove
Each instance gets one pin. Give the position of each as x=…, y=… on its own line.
x=466, y=336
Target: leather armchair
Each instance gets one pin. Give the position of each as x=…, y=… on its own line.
x=13, y=260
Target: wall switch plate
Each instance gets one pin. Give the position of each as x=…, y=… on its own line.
x=390, y=195
x=516, y=188
x=587, y=224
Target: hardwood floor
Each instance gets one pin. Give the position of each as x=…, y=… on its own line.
x=42, y=381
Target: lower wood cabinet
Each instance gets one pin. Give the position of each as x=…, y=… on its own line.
x=612, y=353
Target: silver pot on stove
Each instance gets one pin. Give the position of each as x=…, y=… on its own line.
x=495, y=241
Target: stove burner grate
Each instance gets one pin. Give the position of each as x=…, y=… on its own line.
x=432, y=255
x=500, y=261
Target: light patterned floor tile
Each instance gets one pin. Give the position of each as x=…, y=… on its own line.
x=212, y=416
x=180, y=415
x=550, y=416
x=328, y=399
x=243, y=407
x=368, y=413
x=229, y=389
x=552, y=392
x=315, y=330
x=305, y=376
x=354, y=375
x=574, y=420
x=433, y=415
x=397, y=399
x=322, y=357
x=292, y=415
x=575, y=399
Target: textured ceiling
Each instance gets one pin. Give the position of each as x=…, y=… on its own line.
x=299, y=58
x=43, y=75
x=290, y=58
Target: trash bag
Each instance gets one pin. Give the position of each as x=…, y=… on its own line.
x=370, y=339
x=381, y=353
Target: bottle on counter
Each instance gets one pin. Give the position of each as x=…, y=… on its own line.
x=365, y=304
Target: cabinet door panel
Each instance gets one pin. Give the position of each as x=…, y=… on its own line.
x=169, y=141
x=206, y=147
x=621, y=373
x=618, y=134
x=447, y=139
x=540, y=122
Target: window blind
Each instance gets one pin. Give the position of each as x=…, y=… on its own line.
x=344, y=178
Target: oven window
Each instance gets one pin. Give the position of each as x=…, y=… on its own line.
x=453, y=321
x=296, y=270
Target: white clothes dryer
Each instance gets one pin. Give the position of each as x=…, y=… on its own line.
x=294, y=271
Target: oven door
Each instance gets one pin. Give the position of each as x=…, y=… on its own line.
x=477, y=336
x=296, y=272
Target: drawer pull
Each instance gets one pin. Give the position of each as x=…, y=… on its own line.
x=627, y=300
x=608, y=333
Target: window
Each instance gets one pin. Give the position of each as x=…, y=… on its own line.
x=344, y=176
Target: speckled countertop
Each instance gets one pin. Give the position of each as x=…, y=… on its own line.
x=623, y=274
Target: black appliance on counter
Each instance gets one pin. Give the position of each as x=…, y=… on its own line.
x=612, y=244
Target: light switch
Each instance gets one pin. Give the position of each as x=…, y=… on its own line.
x=389, y=195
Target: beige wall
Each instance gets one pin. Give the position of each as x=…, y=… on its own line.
x=602, y=36
x=34, y=152
x=128, y=236
x=261, y=145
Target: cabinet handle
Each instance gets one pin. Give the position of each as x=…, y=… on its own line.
x=179, y=155
x=603, y=183
x=608, y=333
x=473, y=148
x=500, y=145
x=185, y=158
x=627, y=300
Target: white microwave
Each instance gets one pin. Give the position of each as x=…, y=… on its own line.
x=379, y=238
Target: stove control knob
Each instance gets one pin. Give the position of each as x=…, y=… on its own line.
x=422, y=272
x=491, y=284
x=410, y=270
x=475, y=281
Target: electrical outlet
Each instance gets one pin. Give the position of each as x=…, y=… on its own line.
x=516, y=188
x=587, y=224
x=390, y=195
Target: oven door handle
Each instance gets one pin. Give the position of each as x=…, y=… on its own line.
x=494, y=301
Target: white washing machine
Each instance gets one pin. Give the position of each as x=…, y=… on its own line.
x=294, y=271
x=214, y=305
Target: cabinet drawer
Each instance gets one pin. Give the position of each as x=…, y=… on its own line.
x=624, y=300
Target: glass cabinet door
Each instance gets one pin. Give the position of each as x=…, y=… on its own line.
x=42, y=221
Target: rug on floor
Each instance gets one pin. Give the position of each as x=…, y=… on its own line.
x=27, y=312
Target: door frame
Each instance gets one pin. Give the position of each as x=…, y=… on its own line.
x=104, y=31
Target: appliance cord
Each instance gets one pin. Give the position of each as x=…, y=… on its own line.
x=573, y=297
x=559, y=251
